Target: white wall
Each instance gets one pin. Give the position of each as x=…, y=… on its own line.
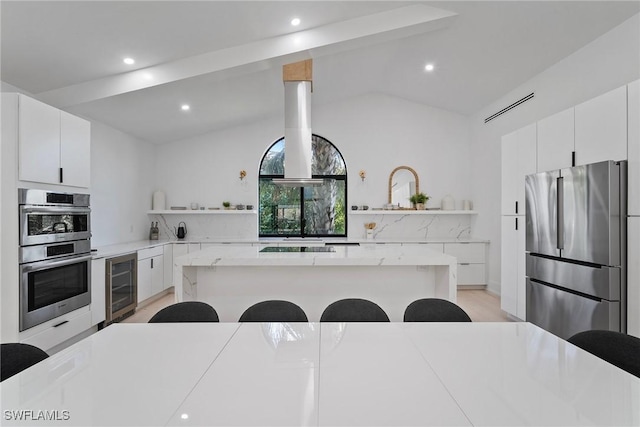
x=122, y=181
x=608, y=62
x=375, y=133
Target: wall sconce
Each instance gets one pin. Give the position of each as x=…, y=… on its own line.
x=243, y=174
x=363, y=174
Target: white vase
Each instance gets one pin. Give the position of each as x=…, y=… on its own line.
x=158, y=202
x=448, y=203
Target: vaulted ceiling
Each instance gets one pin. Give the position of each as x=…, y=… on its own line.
x=224, y=58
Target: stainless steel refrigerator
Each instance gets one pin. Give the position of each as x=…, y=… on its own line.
x=576, y=248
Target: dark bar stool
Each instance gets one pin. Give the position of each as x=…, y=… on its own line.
x=16, y=357
x=274, y=311
x=187, y=311
x=434, y=310
x=354, y=310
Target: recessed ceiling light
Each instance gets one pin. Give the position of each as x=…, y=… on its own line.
x=428, y=67
x=295, y=22
x=185, y=107
x=129, y=61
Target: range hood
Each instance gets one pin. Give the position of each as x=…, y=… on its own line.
x=297, y=126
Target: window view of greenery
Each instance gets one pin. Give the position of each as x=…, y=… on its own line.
x=304, y=211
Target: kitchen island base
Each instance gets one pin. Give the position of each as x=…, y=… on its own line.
x=232, y=281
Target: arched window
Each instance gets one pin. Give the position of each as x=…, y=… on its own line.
x=304, y=211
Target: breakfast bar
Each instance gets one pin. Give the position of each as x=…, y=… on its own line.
x=231, y=278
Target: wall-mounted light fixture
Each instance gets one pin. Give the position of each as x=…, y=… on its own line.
x=363, y=174
x=243, y=174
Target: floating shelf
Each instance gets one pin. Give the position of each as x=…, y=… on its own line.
x=411, y=212
x=203, y=212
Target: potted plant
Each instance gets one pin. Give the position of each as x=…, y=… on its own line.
x=227, y=205
x=419, y=200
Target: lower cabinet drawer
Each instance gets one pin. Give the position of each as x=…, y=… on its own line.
x=68, y=327
x=471, y=274
x=466, y=252
x=150, y=252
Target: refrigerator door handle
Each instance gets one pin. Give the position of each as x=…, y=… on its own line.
x=560, y=212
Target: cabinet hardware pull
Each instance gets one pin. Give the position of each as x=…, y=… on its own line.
x=573, y=158
x=516, y=206
x=61, y=323
x=151, y=262
x=61, y=176
x=516, y=223
x=560, y=213
x=464, y=263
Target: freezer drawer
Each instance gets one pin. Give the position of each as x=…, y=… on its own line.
x=598, y=281
x=564, y=314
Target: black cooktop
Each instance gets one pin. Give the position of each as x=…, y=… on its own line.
x=298, y=249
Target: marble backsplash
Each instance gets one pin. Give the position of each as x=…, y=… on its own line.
x=241, y=226
x=235, y=226
x=411, y=226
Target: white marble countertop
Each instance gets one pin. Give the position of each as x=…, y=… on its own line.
x=323, y=374
x=125, y=248
x=130, y=247
x=382, y=255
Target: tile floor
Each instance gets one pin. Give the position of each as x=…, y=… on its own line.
x=479, y=304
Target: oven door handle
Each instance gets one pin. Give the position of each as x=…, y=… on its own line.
x=55, y=263
x=55, y=209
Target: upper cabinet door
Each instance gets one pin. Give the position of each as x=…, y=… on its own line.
x=39, y=136
x=634, y=147
x=75, y=150
x=556, y=141
x=601, y=128
x=54, y=146
x=518, y=161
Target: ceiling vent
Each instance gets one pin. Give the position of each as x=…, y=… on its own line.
x=510, y=107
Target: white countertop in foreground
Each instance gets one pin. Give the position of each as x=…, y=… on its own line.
x=382, y=255
x=323, y=374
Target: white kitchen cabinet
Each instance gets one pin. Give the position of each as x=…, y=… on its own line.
x=471, y=262
x=438, y=247
x=98, y=291
x=513, y=285
x=54, y=146
x=56, y=331
x=633, y=276
x=178, y=250
x=39, y=141
x=466, y=252
x=150, y=272
x=518, y=161
x=633, y=114
x=167, y=251
x=556, y=141
x=75, y=150
x=601, y=128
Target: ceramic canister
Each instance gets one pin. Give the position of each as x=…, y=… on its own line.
x=448, y=203
x=159, y=201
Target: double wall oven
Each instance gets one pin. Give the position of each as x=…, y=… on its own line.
x=55, y=254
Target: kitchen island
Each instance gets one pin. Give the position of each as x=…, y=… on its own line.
x=232, y=278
